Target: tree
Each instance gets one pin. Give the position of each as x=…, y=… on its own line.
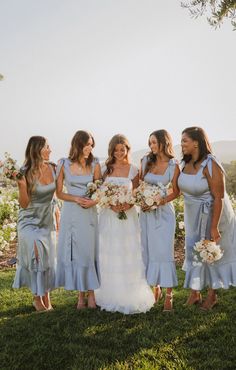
x=1, y=77
x=216, y=10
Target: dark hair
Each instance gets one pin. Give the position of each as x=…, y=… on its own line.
x=197, y=134
x=79, y=141
x=33, y=159
x=115, y=140
x=163, y=138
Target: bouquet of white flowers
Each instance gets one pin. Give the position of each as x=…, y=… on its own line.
x=92, y=189
x=10, y=169
x=149, y=195
x=206, y=251
x=111, y=194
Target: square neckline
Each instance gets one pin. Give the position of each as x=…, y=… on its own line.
x=163, y=174
x=121, y=177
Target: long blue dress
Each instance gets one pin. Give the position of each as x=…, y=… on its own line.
x=157, y=234
x=77, y=258
x=198, y=205
x=36, y=227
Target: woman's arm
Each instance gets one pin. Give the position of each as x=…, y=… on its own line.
x=24, y=198
x=175, y=189
x=217, y=188
x=64, y=196
x=97, y=172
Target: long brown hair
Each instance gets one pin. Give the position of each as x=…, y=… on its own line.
x=163, y=138
x=79, y=141
x=197, y=134
x=33, y=160
x=115, y=140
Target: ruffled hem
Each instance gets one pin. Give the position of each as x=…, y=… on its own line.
x=75, y=277
x=215, y=277
x=39, y=282
x=162, y=273
x=128, y=300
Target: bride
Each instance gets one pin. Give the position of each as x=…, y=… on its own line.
x=123, y=284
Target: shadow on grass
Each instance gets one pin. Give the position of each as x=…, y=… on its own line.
x=92, y=339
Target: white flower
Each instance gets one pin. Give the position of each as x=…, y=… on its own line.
x=149, y=201
x=181, y=225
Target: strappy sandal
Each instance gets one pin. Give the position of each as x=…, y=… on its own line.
x=168, y=304
x=196, y=300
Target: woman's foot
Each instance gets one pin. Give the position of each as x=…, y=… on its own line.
x=91, y=300
x=209, y=303
x=81, y=303
x=38, y=304
x=47, y=301
x=195, y=297
x=157, y=293
x=168, y=304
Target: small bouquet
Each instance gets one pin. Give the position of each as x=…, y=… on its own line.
x=111, y=194
x=149, y=195
x=92, y=189
x=206, y=251
x=10, y=169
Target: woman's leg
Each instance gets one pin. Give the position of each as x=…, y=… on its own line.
x=38, y=303
x=195, y=297
x=91, y=299
x=81, y=302
x=47, y=301
x=210, y=301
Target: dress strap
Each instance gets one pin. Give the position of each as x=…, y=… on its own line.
x=144, y=163
x=172, y=165
x=61, y=162
x=208, y=163
x=53, y=169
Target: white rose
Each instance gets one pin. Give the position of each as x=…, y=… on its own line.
x=149, y=202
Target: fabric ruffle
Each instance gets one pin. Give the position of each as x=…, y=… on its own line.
x=39, y=282
x=162, y=273
x=215, y=276
x=74, y=277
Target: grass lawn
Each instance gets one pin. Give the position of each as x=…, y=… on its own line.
x=69, y=339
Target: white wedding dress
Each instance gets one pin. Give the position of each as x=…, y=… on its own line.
x=123, y=284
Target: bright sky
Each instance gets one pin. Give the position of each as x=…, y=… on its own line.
x=111, y=66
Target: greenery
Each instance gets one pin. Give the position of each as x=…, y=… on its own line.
x=231, y=177
x=92, y=339
x=215, y=10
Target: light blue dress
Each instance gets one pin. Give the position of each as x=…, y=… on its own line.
x=36, y=226
x=198, y=205
x=158, y=233
x=77, y=267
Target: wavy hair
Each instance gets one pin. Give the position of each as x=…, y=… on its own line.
x=164, y=139
x=197, y=134
x=33, y=160
x=79, y=141
x=115, y=140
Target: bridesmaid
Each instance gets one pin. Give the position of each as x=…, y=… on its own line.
x=158, y=226
x=36, y=227
x=78, y=236
x=208, y=215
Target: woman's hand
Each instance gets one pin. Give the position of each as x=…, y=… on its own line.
x=85, y=202
x=22, y=182
x=215, y=234
x=146, y=208
x=116, y=209
x=126, y=206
